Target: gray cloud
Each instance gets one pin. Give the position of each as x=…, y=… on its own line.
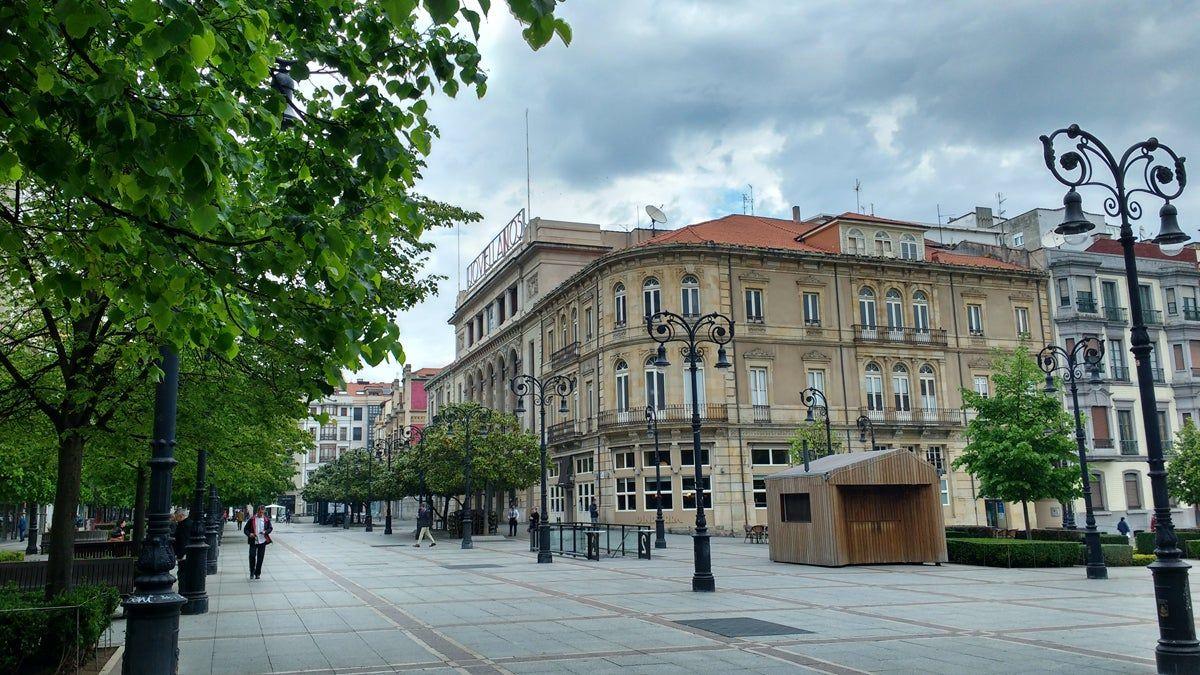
x=684, y=103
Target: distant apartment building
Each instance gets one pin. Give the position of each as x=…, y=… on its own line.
x=888, y=322
x=351, y=413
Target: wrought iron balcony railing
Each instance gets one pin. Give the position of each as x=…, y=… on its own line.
x=1129, y=446
x=1191, y=314
x=1119, y=373
x=916, y=417
x=1103, y=443
x=565, y=355
x=673, y=415
x=1116, y=315
x=563, y=431
x=1152, y=317
x=906, y=336
x=1085, y=304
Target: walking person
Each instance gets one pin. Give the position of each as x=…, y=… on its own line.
x=424, y=523
x=1123, y=527
x=258, y=535
x=594, y=511
x=535, y=519
x=513, y=517
x=22, y=526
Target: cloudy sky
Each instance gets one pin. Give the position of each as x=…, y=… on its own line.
x=687, y=103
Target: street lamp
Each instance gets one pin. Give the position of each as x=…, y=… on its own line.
x=413, y=433
x=716, y=328
x=213, y=529
x=192, y=576
x=541, y=392
x=814, y=399
x=865, y=426
x=370, y=489
x=660, y=528
x=1158, y=172
x=1085, y=355
x=466, y=416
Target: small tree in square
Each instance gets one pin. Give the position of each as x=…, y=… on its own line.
x=1183, y=468
x=1019, y=443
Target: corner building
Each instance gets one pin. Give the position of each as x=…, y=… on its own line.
x=886, y=322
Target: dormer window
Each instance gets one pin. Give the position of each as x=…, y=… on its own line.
x=908, y=248
x=883, y=244
x=856, y=243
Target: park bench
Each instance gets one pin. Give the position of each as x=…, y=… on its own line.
x=105, y=549
x=78, y=537
x=31, y=576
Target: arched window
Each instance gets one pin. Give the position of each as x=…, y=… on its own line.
x=651, y=296
x=1133, y=490
x=873, y=385
x=883, y=244
x=920, y=313
x=866, y=307
x=928, y=388
x=574, y=325
x=901, y=391
x=856, y=243
x=908, y=248
x=1096, y=487
x=895, y=310
x=690, y=296
x=656, y=385
x=619, y=304
x=562, y=324
x=687, y=384
x=622, y=382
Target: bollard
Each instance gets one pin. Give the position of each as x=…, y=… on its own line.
x=643, y=544
x=593, y=544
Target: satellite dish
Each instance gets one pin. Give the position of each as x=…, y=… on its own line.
x=656, y=215
x=1053, y=240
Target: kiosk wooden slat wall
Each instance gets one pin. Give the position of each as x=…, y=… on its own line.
x=857, y=508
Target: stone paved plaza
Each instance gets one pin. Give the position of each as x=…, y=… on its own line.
x=356, y=602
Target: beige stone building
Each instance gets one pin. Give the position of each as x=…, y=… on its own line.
x=888, y=324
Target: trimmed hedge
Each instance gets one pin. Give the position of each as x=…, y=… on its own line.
x=1191, y=548
x=972, y=531
x=1114, y=539
x=1056, y=535
x=12, y=556
x=1141, y=559
x=1115, y=555
x=1013, y=552
x=46, y=639
x=1144, y=541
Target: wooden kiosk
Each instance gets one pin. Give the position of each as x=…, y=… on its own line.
x=857, y=508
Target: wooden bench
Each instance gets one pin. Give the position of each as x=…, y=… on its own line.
x=77, y=537
x=105, y=549
x=31, y=576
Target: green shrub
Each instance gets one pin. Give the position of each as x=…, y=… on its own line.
x=1141, y=559
x=1115, y=555
x=39, y=639
x=1056, y=535
x=1144, y=542
x=12, y=556
x=1113, y=539
x=1013, y=552
x=974, y=531
x=1191, y=548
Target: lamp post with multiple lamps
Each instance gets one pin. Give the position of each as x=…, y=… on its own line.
x=1152, y=169
x=660, y=528
x=469, y=417
x=370, y=489
x=1085, y=356
x=411, y=436
x=865, y=426
x=717, y=329
x=814, y=399
x=541, y=392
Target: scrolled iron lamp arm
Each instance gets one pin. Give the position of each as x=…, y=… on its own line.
x=540, y=393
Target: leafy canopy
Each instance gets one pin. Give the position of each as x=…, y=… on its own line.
x=818, y=442
x=1019, y=444
x=1183, y=467
x=505, y=457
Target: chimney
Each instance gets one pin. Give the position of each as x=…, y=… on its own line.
x=983, y=217
x=795, y=214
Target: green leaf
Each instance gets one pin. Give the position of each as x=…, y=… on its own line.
x=142, y=11
x=45, y=79
x=132, y=122
x=399, y=11
x=10, y=166
x=441, y=11
x=564, y=31
x=472, y=18
x=201, y=47
x=204, y=219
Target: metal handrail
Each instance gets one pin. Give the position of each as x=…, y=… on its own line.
x=901, y=335
x=671, y=414
x=571, y=538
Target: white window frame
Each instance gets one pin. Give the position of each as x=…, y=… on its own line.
x=621, y=382
x=758, y=386
x=649, y=494
x=975, y=319
x=651, y=296
x=812, y=308
x=755, y=491
x=626, y=491
x=982, y=385
x=620, y=308
x=689, y=296
x=754, y=305
x=873, y=387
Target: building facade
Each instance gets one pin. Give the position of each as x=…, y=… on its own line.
x=1090, y=299
x=886, y=322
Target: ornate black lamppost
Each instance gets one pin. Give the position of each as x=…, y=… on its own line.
x=466, y=416
x=660, y=528
x=411, y=436
x=370, y=488
x=152, y=612
x=1085, y=355
x=716, y=328
x=213, y=529
x=865, y=426
x=542, y=392
x=31, y=541
x=814, y=399
x=192, y=576
x=1154, y=170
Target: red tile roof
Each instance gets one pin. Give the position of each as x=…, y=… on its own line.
x=1141, y=250
x=426, y=372
x=360, y=388
x=780, y=233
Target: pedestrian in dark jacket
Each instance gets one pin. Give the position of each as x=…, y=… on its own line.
x=1123, y=527
x=535, y=519
x=594, y=511
x=424, y=525
x=258, y=535
x=182, y=534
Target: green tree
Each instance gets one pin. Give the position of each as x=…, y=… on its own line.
x=1183, y=468
x=818, y=442
x=162, y=201
x=1020, y=443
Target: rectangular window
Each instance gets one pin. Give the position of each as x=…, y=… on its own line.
x=342, y=433
x=1126, y=433
x=686, y=457
x=944, y=489
x=312, y=454
x=586, y=492
x=1022, y=320
x=758, y=386
x=626, y=494
x=623, y=459
x=1177, y=354
x=760, y=493
x=651, y=494
x=620, y=310
x=816, y=379
x=1133, y=491
x=558, y=502
x=936, y=456
x=769, y=456
x=1064, y=293
x=981, y=385
x=754, y=308
x=358, y=414
x=689, y=492
x=356, y=434
x=344, y=412
x=975, y=319
x=648, y=457
x=1101, y=435
x=651, y=300
x=1018, y=240
x=1172, y=304
x=584, y=464
x=812, y=309
x=795, y=507
x=587, y=318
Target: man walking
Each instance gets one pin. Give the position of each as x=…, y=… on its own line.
x=594, y=511
x=424, y=522
x=513, y=517
x=1123, y=527
x=22, y=525
x=258, y=535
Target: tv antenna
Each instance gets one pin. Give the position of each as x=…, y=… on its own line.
x=857, y=196
x=656, y=216
x=1000, y=199
x=748, y=200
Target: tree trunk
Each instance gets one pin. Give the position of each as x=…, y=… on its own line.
x=1025, y=508
x=139, y=505
x=66, y=500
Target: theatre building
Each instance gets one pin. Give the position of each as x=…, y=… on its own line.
x=887, y=323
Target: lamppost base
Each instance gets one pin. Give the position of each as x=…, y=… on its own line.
x=1177, y=659
x=1178, y=651
x=1097, y=571
x=545, y=557
x=660, y=533
x=197, y=605
x=387, y=524
x=370, y=526
x=152, y=633
x=704, y=583
x=702, y=578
